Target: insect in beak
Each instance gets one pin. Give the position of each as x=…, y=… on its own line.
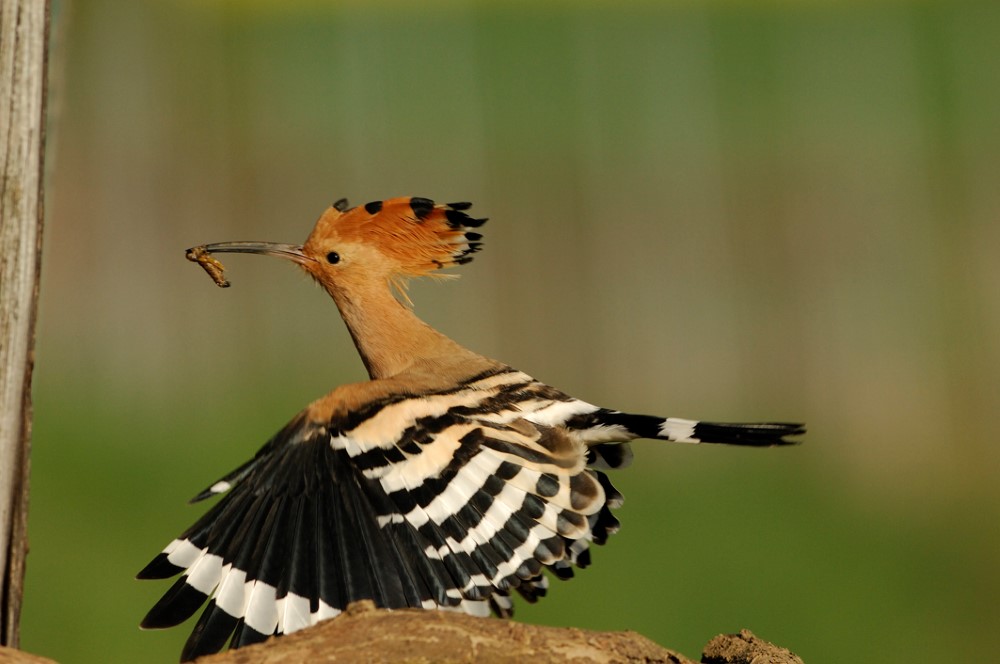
x=203, y=255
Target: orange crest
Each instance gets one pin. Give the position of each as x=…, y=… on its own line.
x=415, y=233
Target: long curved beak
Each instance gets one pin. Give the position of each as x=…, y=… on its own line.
x=292, y=252
x=203, y=255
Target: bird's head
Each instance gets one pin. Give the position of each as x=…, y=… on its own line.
x=392, y=240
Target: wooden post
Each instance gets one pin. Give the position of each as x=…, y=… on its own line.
x=24, y=27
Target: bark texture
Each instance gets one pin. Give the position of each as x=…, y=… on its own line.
x=366, y=634
x=12, y=656
x=746, y=648
x=23, y=41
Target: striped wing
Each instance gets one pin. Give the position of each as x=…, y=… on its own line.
x=445, y=500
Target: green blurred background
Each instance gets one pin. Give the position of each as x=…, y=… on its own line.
x=723, y=210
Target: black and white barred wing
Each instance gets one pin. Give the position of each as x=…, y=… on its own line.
x=492, y=486
x=451, y=500
x=293, y=542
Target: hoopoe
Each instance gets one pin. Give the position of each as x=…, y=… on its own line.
x=447, y=481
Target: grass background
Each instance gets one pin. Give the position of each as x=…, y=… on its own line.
x=718, y=210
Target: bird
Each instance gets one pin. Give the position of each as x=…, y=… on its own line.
x=448, y=480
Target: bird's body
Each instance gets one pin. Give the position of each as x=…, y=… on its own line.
x=448, y=480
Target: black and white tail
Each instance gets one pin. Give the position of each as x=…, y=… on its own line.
x=616, y=425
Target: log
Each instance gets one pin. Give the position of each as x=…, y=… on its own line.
x=366, y=634
x=746, y=648
x=12, y=656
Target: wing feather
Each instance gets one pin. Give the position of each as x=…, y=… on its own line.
x=411, y=502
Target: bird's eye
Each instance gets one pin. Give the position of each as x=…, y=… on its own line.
x=333, y=258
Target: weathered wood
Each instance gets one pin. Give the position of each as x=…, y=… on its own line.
x=365, y=634
x=23, y=48
x=12, y=656
x=746, y=647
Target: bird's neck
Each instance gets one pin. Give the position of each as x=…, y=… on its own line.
x=388, y=335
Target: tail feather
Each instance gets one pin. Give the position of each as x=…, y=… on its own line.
x=764, y=434
x=678, y=430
